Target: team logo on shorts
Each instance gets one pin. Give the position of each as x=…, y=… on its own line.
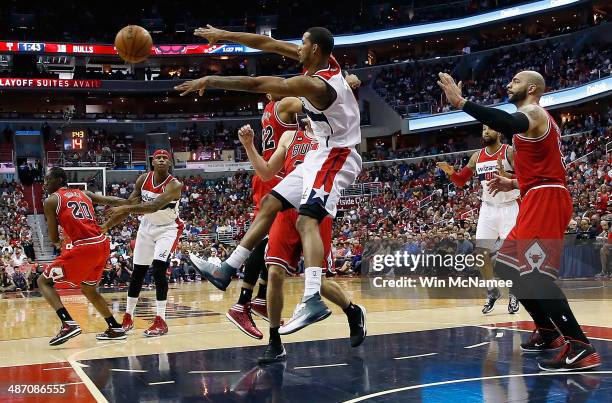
x=318, y=196
x=535, y=256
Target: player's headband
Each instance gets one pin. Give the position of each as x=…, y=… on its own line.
x=161, y=152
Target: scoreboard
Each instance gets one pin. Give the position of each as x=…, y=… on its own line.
x=75, y=139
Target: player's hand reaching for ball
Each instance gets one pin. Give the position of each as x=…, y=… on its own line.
x=501, y=184
x=210, y=33
x=452, y=90
x=246, y=135
x=500, y=168
x=449, y=170
x=191, y=86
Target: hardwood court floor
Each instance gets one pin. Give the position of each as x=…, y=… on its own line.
x=209, y=357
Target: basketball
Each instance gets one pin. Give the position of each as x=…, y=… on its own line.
x=133, y=43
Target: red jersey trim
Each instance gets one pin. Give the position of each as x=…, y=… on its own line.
x=279, y=120
x=165, y=182
x=536, y=139
x=90, y=241
x=59, y=204
x=498, y=150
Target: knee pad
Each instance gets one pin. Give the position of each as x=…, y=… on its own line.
x=161, y=281
x=255, y=263
x=138, y=275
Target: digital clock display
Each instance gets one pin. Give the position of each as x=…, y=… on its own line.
x=75, y=140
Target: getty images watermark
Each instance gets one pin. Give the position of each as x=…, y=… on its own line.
x=446, y=269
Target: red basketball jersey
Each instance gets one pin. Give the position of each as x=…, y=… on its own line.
x=76, y=215
x=272, y=129
x=539, y=161
x=297, y=150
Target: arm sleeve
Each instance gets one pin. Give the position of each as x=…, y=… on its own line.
x=498, y=120
x=461, y=178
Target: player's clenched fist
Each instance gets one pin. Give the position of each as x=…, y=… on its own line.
x=246, y=134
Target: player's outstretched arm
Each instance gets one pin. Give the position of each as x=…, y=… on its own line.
x=265, y=169
x=460, y=178
x=298, y=86
x=498, y=120
x=50, y=207
x=261, y=42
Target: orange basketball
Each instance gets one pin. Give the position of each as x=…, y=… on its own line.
x=133, y=43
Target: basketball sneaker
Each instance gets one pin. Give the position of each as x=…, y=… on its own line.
x=127, y=324
x=219, y=276
x=575, y=355
x=274, y=353
x=307, y=312
x=542, y=340
x=157, y=328
x=358, y=328
x=240, y=315
x=112, y=334
x=513, y=304
x=260, y=308
x=492, y=296
x=69, y=330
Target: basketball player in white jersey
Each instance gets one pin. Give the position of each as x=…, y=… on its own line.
x=497, y=213
x=155, y=196
x=313, y=187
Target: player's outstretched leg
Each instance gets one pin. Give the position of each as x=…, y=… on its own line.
x=69, y=328
x=159, y=326
x=275, y=351
x=114, y=331
x=221, y=276
x=138, y=274
x=355, y=314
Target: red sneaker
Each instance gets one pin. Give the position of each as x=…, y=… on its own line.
x=260, y=309
x=69, y=330
x=127, y=324
x=538, y=343
x=575, y=355
x=157, y=328
x=240, y=315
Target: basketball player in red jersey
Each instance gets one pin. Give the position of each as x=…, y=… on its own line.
x=531, y=254
x=155, y=196
x=497, y=213
x=82, y=262
x=315, y=186
x=284, y=246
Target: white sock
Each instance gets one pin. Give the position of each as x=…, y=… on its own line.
x=313, y=280
x=238, y=257
x=131, y=305
x=161, y=309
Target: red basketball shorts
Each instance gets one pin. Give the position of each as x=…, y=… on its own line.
x=285, y=244
x=261, y=188
x=536, y=241
x=83, y=263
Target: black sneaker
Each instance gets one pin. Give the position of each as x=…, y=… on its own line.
x=574, y=356
x=513, y=304
x=274, y=353
x=219, y=276
x=69, y=330
x=112, y=334
x=542, y=340
x=492, y=296
x=358, y=328
x=306, y=313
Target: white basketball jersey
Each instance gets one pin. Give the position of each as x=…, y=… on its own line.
x=486, y=166
x=338, y=125
x=149, y=192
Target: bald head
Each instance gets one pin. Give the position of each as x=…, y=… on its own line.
x=535, y=78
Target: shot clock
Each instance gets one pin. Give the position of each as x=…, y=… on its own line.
x=75, y=140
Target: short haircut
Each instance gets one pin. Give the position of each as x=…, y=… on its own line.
x=59, y=173
x=322, y=37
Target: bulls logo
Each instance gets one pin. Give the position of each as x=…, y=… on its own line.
x=535, y=256
x=170, y=49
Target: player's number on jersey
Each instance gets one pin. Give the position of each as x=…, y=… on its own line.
x=80, y=210
x=268, y=141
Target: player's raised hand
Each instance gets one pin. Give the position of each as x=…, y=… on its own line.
x=449, y=170
x=451, y=89
x=500, y=184
x=210, y=33
x=191, y=86
x=500, y=167
x=246, y=135
x=353, y=81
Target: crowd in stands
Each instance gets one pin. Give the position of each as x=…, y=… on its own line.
x=18, y=270
x=411, y=87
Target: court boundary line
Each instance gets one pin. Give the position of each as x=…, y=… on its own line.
x=482, y=378
x=89, y=384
